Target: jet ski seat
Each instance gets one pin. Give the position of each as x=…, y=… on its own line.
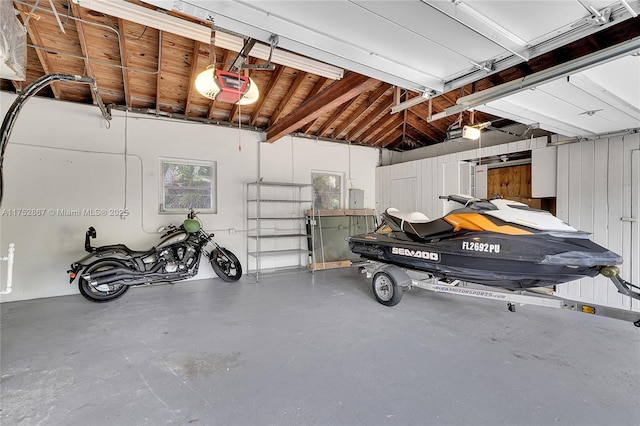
x=418, y=224
x=413, y=217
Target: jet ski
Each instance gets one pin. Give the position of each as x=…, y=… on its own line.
x=494, y=242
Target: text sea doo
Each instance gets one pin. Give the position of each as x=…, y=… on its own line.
x=493, y=242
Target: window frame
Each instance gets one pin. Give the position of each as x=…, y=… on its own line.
x=339, y=175
x=162, y=161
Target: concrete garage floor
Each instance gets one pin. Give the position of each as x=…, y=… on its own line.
x=305, y=349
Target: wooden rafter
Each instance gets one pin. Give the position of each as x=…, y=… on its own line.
x=124, y=44
x=159, y=76
x=396, y=134
x=373, y=98
x=417, y=138
x=264, y=94
x=83, y=45
x=385, y=126
x=422, y=127
x=370, y=118
x=334, y=95
x=316, y=89
x=193, y=73
x=289, y=94
x=336, y=115
x=34, y=34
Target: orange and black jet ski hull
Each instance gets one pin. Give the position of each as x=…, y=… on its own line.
x=510, y=261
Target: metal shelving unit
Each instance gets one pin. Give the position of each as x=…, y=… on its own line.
x=280, y=236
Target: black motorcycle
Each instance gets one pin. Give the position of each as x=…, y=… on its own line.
x=107, y=272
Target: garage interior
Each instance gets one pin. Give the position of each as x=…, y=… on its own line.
x=382, y=99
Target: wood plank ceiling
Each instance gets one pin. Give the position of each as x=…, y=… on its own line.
x=145, y=70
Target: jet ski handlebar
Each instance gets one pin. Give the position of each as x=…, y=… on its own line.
x=471, y=202
x=459, y=198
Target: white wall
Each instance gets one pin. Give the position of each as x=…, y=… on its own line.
x=597, y=185
x=416, y=185
x=66, y=156
x=598, y=192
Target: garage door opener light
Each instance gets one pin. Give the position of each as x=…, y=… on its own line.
x=225, y=86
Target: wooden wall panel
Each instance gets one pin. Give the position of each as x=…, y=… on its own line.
x=510, y=182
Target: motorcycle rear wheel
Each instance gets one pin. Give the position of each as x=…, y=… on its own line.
x=226, y=265
x=92, y=293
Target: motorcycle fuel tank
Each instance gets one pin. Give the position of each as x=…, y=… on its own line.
x=173, y=238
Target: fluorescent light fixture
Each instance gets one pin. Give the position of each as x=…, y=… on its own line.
x=171, y=24
x=261, y=51
x=408, y=104
x=142, y=15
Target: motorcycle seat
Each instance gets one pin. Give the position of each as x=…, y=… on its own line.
x=125, y=249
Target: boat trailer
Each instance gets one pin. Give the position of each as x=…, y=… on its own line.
x=389, y=282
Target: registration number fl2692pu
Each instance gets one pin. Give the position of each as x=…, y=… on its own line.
x=480, y=247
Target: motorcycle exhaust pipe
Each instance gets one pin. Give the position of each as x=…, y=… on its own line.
x=116, y=274
x=94, y=275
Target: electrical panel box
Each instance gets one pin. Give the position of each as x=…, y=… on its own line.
x=356, y=199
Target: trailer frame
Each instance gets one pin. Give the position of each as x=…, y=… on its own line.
x=389, y=282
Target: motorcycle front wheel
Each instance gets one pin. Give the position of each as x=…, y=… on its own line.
x=103, y=292
x=226, y=265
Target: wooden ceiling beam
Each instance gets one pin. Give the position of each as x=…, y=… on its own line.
x=316, y=89
x=193, y=73
x=264, y=94
x=285, y=101
x=334, y=95
x=35, y=37
x=373, y=98
x=383, y=127
x=159, y=76
x=335, y=116
x=417, y=137
x=83, y=45
x=128, y=98
x=394, y=136
x=424, y=128
x=371, y=117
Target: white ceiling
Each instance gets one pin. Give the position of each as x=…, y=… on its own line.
x=437, y=45
x=599, y=100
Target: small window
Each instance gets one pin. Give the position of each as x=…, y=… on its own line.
x=188, y=185
x=327, y=191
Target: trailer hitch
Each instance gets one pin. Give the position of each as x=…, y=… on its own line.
x=623, y=286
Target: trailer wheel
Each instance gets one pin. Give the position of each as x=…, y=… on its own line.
x=386, y=289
